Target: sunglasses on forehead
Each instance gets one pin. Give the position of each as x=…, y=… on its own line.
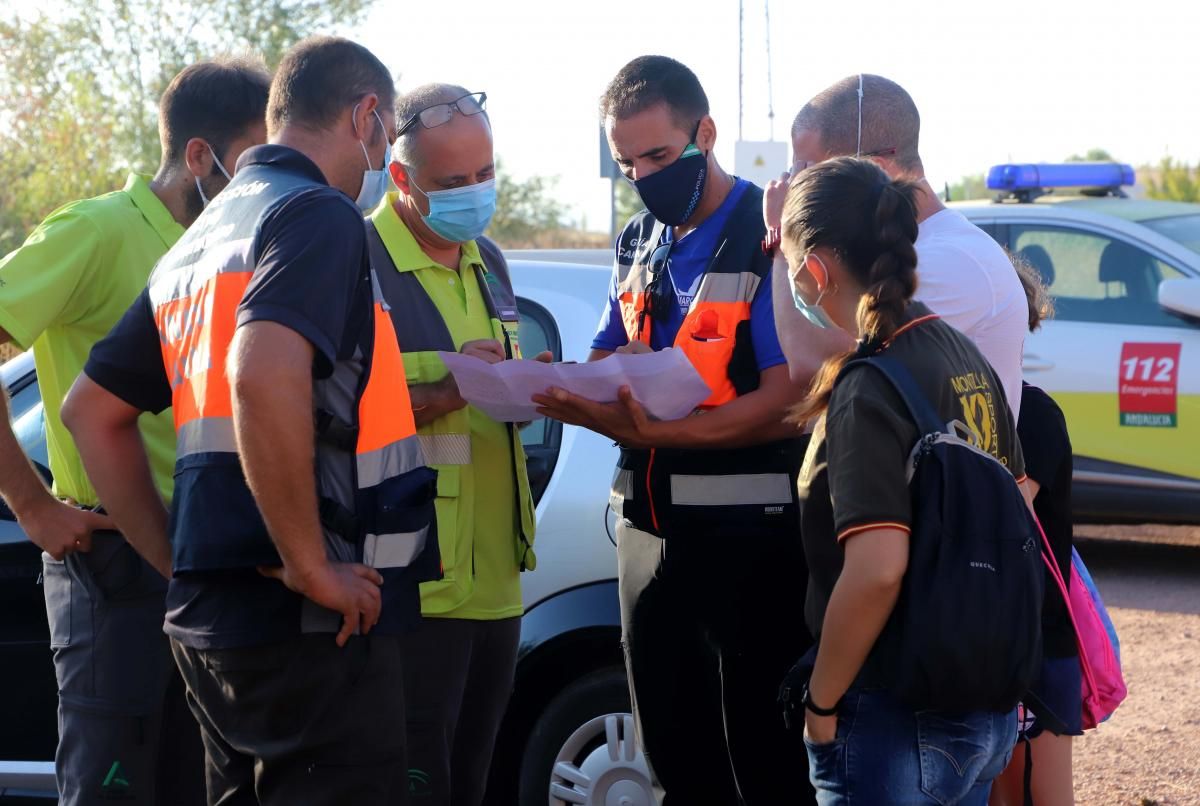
x=440, y=114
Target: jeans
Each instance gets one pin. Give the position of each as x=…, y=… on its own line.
x=885, y=752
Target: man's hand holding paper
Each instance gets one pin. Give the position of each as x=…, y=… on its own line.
x=661, y=385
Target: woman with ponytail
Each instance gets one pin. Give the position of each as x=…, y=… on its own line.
x=848, y=233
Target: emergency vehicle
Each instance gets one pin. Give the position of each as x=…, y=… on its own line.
x=1121, y=355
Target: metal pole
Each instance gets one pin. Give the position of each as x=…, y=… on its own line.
x=612, y=182
x=741, y=47
x=770, y=88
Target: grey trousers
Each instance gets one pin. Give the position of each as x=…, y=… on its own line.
x=458, y=676
x=125, y=732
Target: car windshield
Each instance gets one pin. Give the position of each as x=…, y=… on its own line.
x=25, y=407
x=1183, y=229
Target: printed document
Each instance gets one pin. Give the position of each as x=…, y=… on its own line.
x=665, y=383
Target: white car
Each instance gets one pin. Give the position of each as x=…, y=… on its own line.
x=567, y=729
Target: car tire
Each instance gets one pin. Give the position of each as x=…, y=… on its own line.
x=596, y=694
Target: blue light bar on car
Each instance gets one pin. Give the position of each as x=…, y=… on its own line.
x=1015, y=178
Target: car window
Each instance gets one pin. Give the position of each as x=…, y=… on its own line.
x=23, y=401
x=538, y=333
x=1183, y=229
x=542, y=438
x=1095, y=278
x=30, y=430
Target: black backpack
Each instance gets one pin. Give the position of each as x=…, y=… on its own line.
x=966, y=632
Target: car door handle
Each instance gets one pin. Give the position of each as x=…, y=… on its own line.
x=1035, y=363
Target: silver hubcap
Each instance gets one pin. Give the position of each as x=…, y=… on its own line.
x=601, y=764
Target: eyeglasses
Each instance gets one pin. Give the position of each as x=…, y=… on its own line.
x=440, y=114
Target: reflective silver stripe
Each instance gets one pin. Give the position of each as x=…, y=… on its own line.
x=622, y=490
x=446, y=449
x=728, y=491
x=739, y=287
x=206, y=435
x=389, y=461
x=393, y=550
x=633, y=283
x=169, y=283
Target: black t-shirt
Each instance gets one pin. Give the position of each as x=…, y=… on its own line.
x=854, y=474
x=1047, y=448
x=311, y=276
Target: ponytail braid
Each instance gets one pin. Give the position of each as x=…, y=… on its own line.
x=870, y=221
x=892, y=278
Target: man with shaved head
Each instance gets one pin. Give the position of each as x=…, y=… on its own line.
x=449, y=290
x=963, y=275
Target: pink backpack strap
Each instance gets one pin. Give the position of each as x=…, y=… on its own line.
x=1051, y=561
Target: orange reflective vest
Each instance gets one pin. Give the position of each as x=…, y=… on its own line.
x=710, y=330
x=377, y=509
x=718, y=492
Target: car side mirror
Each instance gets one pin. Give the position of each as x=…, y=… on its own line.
x=1181, y=297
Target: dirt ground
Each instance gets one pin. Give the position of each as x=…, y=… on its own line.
x=1148, y=754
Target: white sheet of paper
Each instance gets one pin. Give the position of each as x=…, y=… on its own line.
x=664, y=382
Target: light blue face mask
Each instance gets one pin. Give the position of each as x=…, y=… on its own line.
x=375, y=182
x=812, y=313
x=460, y=214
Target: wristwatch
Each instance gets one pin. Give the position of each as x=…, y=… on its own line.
x=807, y=701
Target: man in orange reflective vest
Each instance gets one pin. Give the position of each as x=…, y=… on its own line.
x=712, y=577
x=303, y=506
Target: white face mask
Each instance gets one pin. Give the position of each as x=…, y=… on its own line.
x=375, y=182
x=204, y=199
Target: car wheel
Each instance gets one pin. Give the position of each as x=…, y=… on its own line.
x=583, y=748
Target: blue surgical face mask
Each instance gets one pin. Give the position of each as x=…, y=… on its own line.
x=460, y=214
x=375, y=182
x=812, y=313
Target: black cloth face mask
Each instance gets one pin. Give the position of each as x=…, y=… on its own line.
x=671, y=194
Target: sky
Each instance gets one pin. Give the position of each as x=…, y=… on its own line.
x=995, y=81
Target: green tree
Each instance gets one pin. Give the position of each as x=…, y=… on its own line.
x=969, y=187
x=629, y=203
x=1174, y=181
x=527, y=212
x=79, y=87
x=1092, y=155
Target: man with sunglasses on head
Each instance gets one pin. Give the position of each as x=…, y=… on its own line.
x=711, y=572
x=449, y=290
x=963, y=274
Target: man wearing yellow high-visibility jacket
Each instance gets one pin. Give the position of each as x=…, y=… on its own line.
x=448, y=288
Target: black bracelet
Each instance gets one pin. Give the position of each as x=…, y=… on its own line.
x=807, y=700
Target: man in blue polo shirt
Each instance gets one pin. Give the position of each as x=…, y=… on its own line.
x=711, y=572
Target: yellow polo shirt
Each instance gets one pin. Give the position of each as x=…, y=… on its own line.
x=478, y=521
x=65, y=288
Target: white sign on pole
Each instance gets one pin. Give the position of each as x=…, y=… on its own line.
x=760, y=161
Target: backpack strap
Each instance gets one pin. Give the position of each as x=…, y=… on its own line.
x=919, y=408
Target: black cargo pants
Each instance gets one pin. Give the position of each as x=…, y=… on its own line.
x=710, y=629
